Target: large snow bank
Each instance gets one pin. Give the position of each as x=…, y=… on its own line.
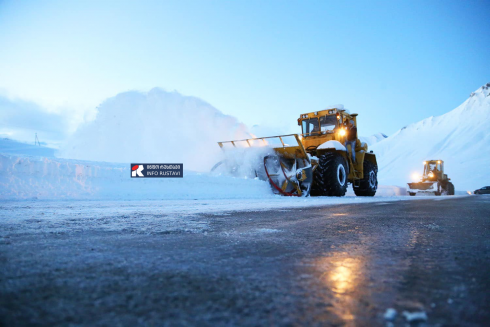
x=50, y=178
x=54, y=179
x=460, y=137
x=155, y=127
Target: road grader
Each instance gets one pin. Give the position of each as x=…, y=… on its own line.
x=315, y=162
x=433, y=181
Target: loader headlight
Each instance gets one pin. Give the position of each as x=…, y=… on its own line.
x=342, y=132
x=431, y=174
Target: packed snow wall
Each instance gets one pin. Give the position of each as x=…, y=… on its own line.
x=52, y=178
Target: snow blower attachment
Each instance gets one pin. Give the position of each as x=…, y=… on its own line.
x=285, y=162
x=433, y=181
x=315, y=162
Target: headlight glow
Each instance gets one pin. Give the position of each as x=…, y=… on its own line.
x=342, y=132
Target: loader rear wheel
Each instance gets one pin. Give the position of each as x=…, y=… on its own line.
x=330, y=177
x=369, y=184
x=450, y=188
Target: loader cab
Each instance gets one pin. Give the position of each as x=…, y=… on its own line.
x=322, y=126
x=433, y=169
x=320, y=122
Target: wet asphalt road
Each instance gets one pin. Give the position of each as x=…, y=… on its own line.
x=327, y=266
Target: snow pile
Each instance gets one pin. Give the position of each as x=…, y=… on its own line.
x=459, y=137
x=155, y=127
x=51, y=178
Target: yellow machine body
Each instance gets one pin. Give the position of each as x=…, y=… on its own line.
x=313, y=139
x=317, y=128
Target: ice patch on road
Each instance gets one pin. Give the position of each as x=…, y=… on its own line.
x=415, y=316
x=266, y=230
x=390, y=314
x=433, y=226
x=62, y=218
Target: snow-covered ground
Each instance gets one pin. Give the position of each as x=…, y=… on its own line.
x=460, y=138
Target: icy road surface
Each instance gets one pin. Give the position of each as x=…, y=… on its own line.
x=61, y=213
x=276, y=262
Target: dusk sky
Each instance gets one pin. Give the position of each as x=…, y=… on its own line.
x=264, y=62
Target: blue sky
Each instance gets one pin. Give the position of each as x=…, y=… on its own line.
x=265, y=62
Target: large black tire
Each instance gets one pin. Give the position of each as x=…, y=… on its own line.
x=330, y=177
x=369, y=184
x=450, y=188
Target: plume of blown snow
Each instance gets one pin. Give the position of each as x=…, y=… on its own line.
x=459, y=137
x=155, y=127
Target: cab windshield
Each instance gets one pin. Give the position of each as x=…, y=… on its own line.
x=433, y=166
x=328, y=123
x=310, y=127
x=315, y=126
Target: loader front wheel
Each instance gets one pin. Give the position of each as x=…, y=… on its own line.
x=369, y=184
x=330, y=177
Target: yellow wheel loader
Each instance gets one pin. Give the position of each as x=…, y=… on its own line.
x=433, y=181
x=315, y=162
